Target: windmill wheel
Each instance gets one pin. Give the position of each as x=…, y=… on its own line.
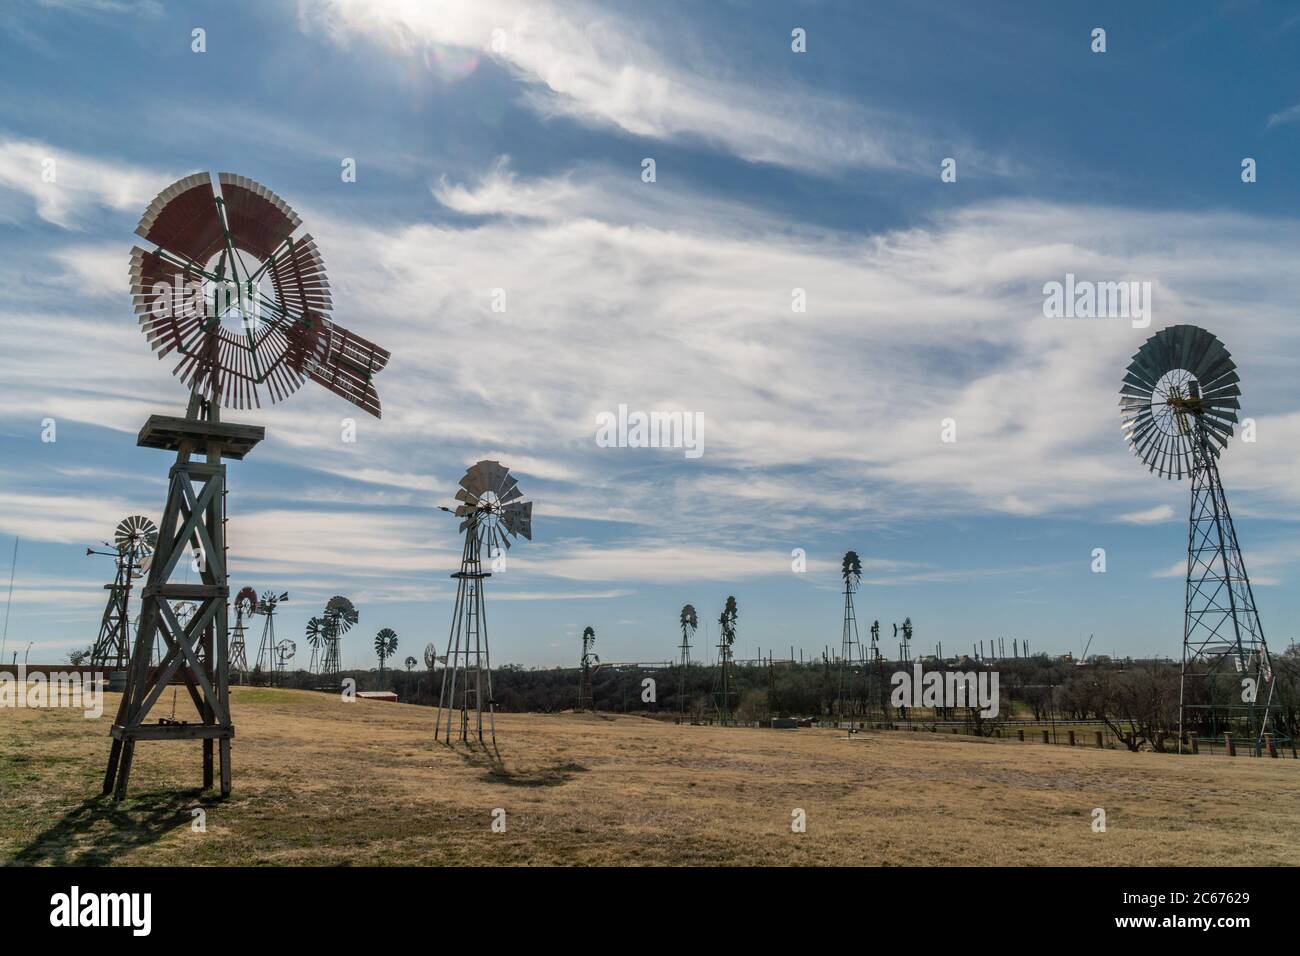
x=286, y=649
x=135, y=537
x=1182, y=384
x=246, y=602
x=430, y=656
x=315, y=631
x=341, y=613
x=489, y=503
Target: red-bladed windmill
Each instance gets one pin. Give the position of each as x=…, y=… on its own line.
x=242, y=304
x=492, y=514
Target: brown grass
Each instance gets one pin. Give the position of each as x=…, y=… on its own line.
x=318, y=781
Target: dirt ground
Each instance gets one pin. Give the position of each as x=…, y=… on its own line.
x=319, y=781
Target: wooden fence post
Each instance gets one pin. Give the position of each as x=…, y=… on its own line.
x=1100, y=745
x=1044, y=736
x=1072, y=738
x=1195, y=746
x=1021, y=735
x=1272, y=747
x=1232, y=748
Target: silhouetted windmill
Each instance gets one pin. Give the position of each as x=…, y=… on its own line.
x=689, y=622
x=847, y=702
x=134, y=541
x=245, y=608
x=726, y=640
x=340, y=615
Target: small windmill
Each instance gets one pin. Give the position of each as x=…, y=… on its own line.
x=689, y=622
x=340, y=615
x=851, y=645
x=586, y=701
x=1179, y=402
x=242, y=305
x=385, y=647
x=726, y=640
x=134, y=541
x=315, y=635
x=245, y=608
x=266, y=648
x=284, y=652
x=492, y=513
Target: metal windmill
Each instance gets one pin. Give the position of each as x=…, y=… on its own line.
x=340, y=615
x=689, y=621
x=245, y=608
x=315, y=634
x=385, y=647
x=266, y=653
x=586, y=701
x=1179, y=401
x=134, y=541
x=284, y=652
x=242, y=306
x=726, y=639
x=851, y=645
x=492, y=513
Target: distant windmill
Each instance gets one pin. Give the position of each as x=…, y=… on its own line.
x=315, y=635
x=340, y=615
x=385, y=647
x=492, y=513
x=726, y=640
x=851, y=645
x=585, y=699
x=284, y=652
x=689, y=621
x=134, y=541
x=266, y=654
x=245, y=608
x=410, y=663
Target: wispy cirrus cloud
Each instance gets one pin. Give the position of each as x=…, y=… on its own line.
x=589, y=64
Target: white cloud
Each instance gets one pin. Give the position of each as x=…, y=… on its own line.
x=1149, y=515
x=585, y=63
x=78, y=182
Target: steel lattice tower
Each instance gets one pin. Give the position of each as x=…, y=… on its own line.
x=1179, y=400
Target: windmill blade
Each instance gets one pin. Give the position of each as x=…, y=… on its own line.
x=465, y=496
x=349, y=367
x=183, y=219
x=260, y=218
x=518, y=518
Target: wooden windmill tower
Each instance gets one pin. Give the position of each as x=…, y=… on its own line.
x=243, y=307
x=492, y=514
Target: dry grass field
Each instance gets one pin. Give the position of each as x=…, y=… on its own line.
x=318, y=781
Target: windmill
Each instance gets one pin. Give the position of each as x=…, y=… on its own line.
x=284, y=652
x=243, y=308
x=585, y=699
x=905, y=648
x=134, y=541
x=689, y=622
x=315, y=634
x=851, y=572
x=726, y=639
x=385, y=647
x=266, y=648
x=340, y=615
x=1179, y=401
x=245, y=608
x=492, y=514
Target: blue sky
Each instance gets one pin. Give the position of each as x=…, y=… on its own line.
x=519, y=167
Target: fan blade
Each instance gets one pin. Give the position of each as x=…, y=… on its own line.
x=349, y=367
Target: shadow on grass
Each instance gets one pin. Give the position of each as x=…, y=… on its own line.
x=489, y=759
x=98, y=831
